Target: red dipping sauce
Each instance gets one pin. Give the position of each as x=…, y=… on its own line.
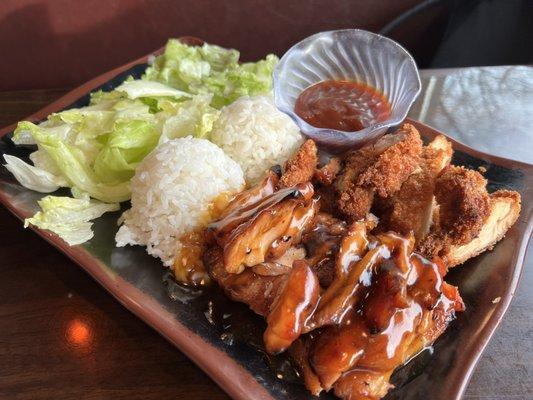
x=342, y=105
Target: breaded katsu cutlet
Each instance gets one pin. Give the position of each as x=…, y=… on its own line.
x=379, y=169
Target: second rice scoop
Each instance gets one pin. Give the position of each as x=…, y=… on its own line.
x=254, y=133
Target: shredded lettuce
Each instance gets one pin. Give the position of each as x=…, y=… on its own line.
x=69, y=217
x=74, y=155
x=32, y=177
x=126, y=145
x=211, y=69
x=138, y=88
x=95, y=149
x=193, y=117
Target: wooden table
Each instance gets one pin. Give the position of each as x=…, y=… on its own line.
x=48, y=304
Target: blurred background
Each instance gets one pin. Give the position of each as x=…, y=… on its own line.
x=48, y=44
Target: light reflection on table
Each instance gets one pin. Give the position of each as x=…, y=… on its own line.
x=79, y=334
x=487, y=108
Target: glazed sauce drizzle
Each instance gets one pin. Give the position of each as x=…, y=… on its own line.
x=342, y=105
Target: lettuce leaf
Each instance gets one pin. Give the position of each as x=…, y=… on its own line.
x=74, y=157
x=193, y=117
x=69, y=217
x=125, y=147
x=42, y=160
x=138, y=88
x=32, y=177
x=211, y=69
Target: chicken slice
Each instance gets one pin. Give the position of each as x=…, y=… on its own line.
x=272, y=268
x=355, y=202
x=248, y=198
x=328, y=172
x=299, y=352
x=322, y=244
x=302, y=218
x=242, y=206
x=505, y=209
x=247, y=237
x=337, y=349
x=438, y=154
x=281, y=264
x=354, y=267
x=380, y=168
x=464, y=203
x=301, y=167
x=411, y=208
x=257, y=291
x=362, y=384
x=295, y=303
x=273, y=227
x=395, y=164
x=464, y=207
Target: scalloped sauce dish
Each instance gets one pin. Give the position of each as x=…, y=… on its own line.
x=351, y=55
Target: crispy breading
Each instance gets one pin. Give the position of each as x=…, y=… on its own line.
x=464, y=203
x=379, y=169
x=437, y=154
x=355, y=163
x=300, y=167
x=395, y=164
x=411, y=208
x=464, y=207
x=505, y=209
x=355, y=201
x=352, y=200
x=432, y=245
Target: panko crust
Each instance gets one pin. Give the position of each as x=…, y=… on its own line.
x=355, y=201
x=464, y=203
x=300, y=168
x=412, y=208
x=395, y=164
x=505, y=210
x=379, y=169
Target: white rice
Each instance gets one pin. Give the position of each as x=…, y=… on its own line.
x=171, y=192
x=256, y=134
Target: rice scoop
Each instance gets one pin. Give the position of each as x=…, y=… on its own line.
x=172, y=191
x=254, y=133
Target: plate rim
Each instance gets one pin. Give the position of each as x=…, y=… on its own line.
x=233, y=378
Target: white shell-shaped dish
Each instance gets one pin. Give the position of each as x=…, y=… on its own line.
x=349, y=54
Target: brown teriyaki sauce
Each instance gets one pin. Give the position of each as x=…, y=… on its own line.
x=234, y=323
